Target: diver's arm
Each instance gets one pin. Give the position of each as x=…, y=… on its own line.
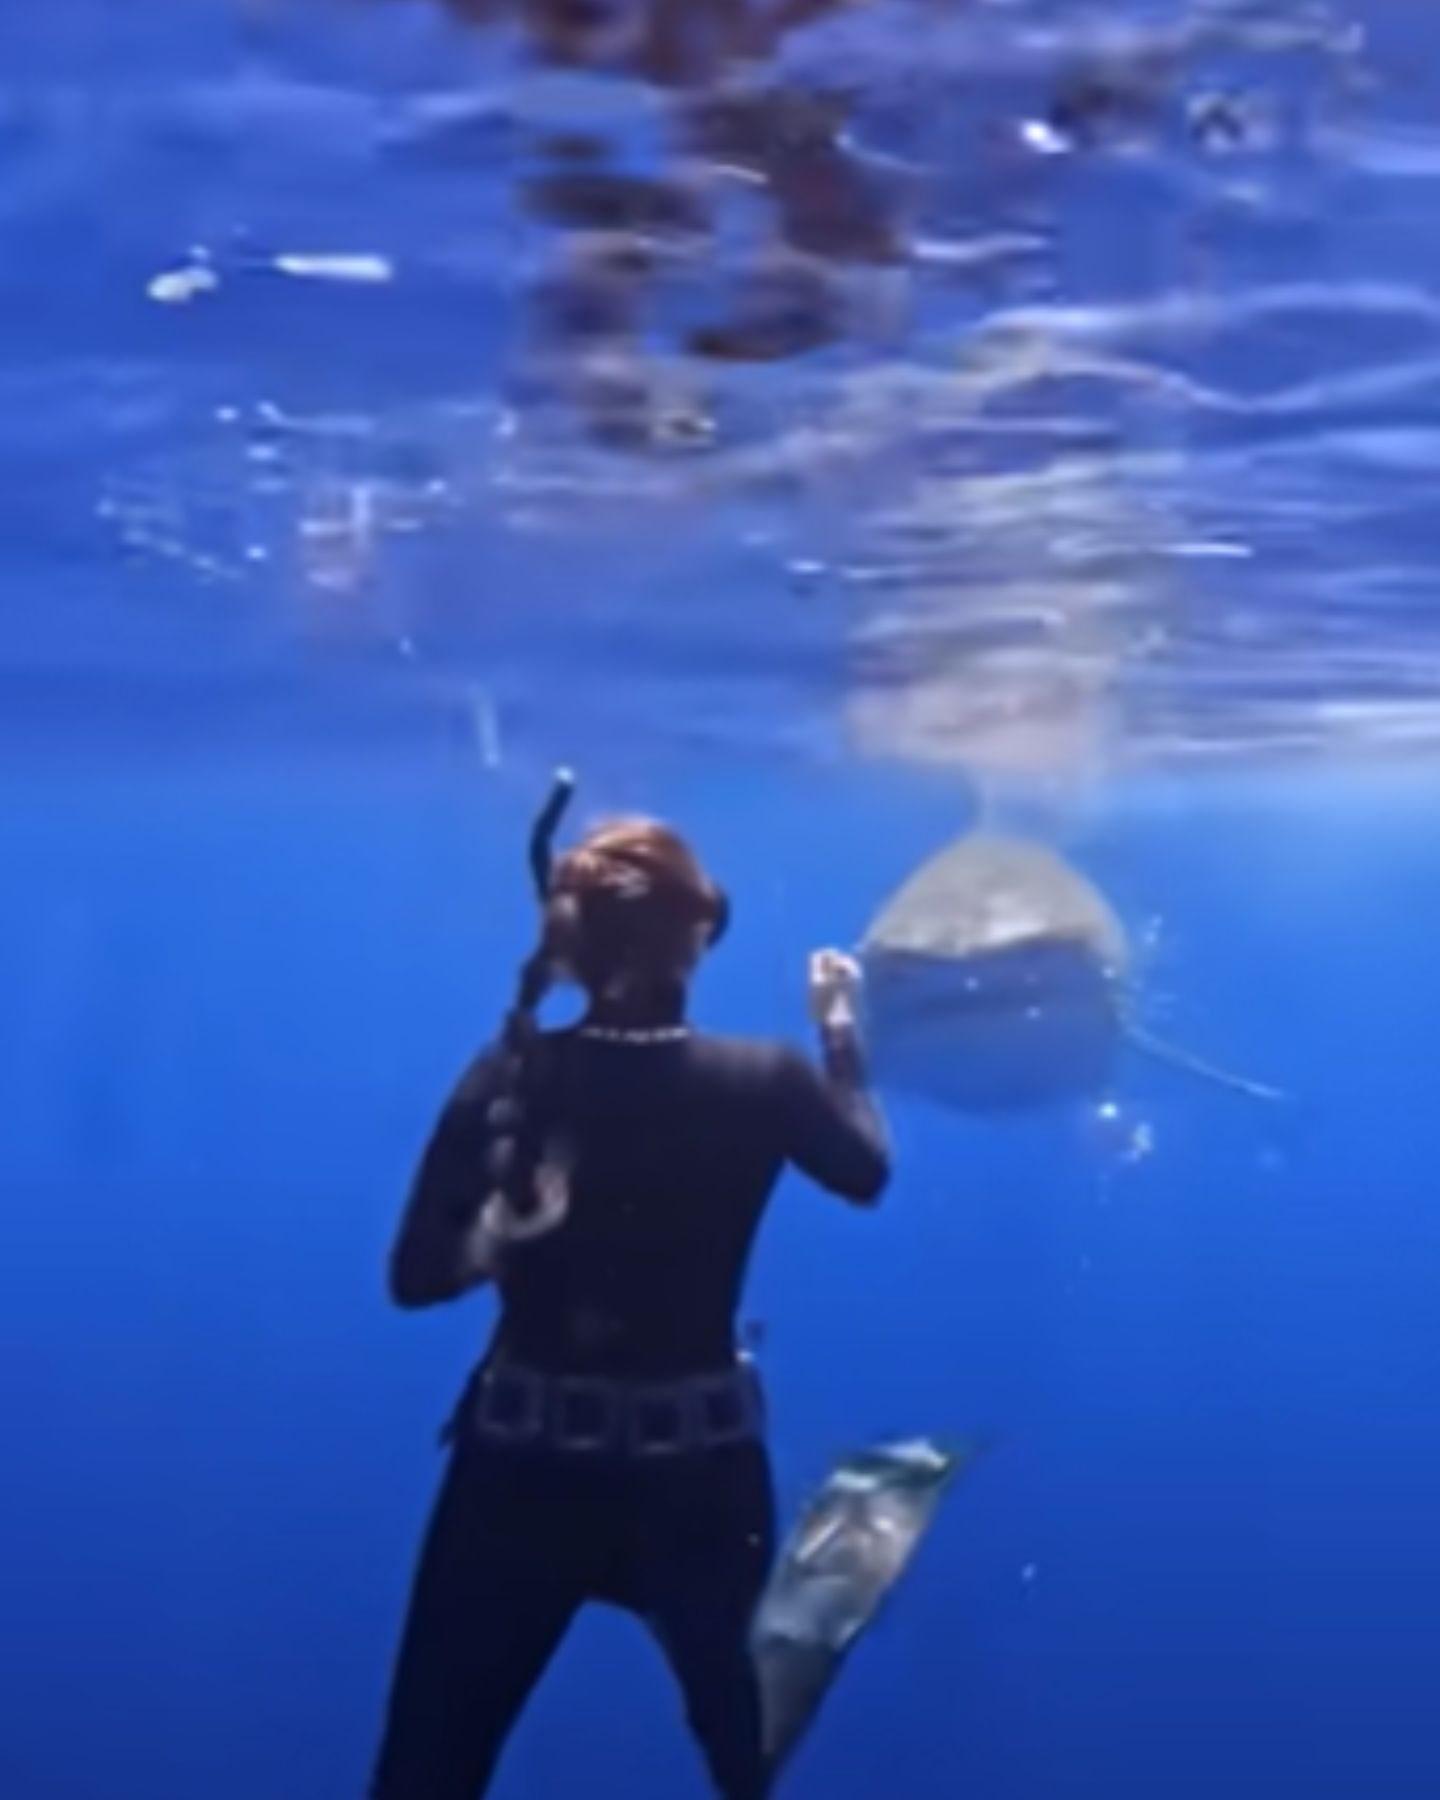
x=835, y=1131
x=443, y=1247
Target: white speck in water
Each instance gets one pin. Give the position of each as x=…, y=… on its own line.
x=975, y=252
x=1028, y=1574
x=361, y=270
x=1043, y=138
x=1228, y=552
x=337, y=536
x=176, y=287
x=1107, y=1112
x=227, y=415
x=486, y=723
x=256, y=553
x=1140, y=1144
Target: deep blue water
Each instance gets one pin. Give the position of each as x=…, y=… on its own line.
x=300, y=605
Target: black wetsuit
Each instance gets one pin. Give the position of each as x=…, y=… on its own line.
x=678, y=1140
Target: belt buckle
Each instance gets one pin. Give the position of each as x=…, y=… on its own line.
x=568, y=1388
x=495, y=1385
x=672, y=1396
x=736, y=1393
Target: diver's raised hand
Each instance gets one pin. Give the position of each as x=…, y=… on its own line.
x=835, y=982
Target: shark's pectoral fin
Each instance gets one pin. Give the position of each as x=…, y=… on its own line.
x=1189, y=1064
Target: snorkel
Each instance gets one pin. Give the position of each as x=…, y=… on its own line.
x=512, y=1175
x=542, y=833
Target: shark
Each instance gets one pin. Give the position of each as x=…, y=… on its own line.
x=999, y=978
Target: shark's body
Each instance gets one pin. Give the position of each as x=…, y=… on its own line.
x=998, y=978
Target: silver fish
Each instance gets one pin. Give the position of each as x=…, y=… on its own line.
x=998, y=978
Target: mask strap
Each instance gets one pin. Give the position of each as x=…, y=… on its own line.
x=720, y=923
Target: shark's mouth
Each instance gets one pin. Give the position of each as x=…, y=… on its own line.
x=1034, y=1025
x=931, y=986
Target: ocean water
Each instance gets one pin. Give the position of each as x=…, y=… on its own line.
x=1106, y=514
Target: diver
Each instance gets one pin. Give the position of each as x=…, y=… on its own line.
x=609, y=1178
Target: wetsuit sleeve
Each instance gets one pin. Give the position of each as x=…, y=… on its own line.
x=433, y=1257
x=832, y=1129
